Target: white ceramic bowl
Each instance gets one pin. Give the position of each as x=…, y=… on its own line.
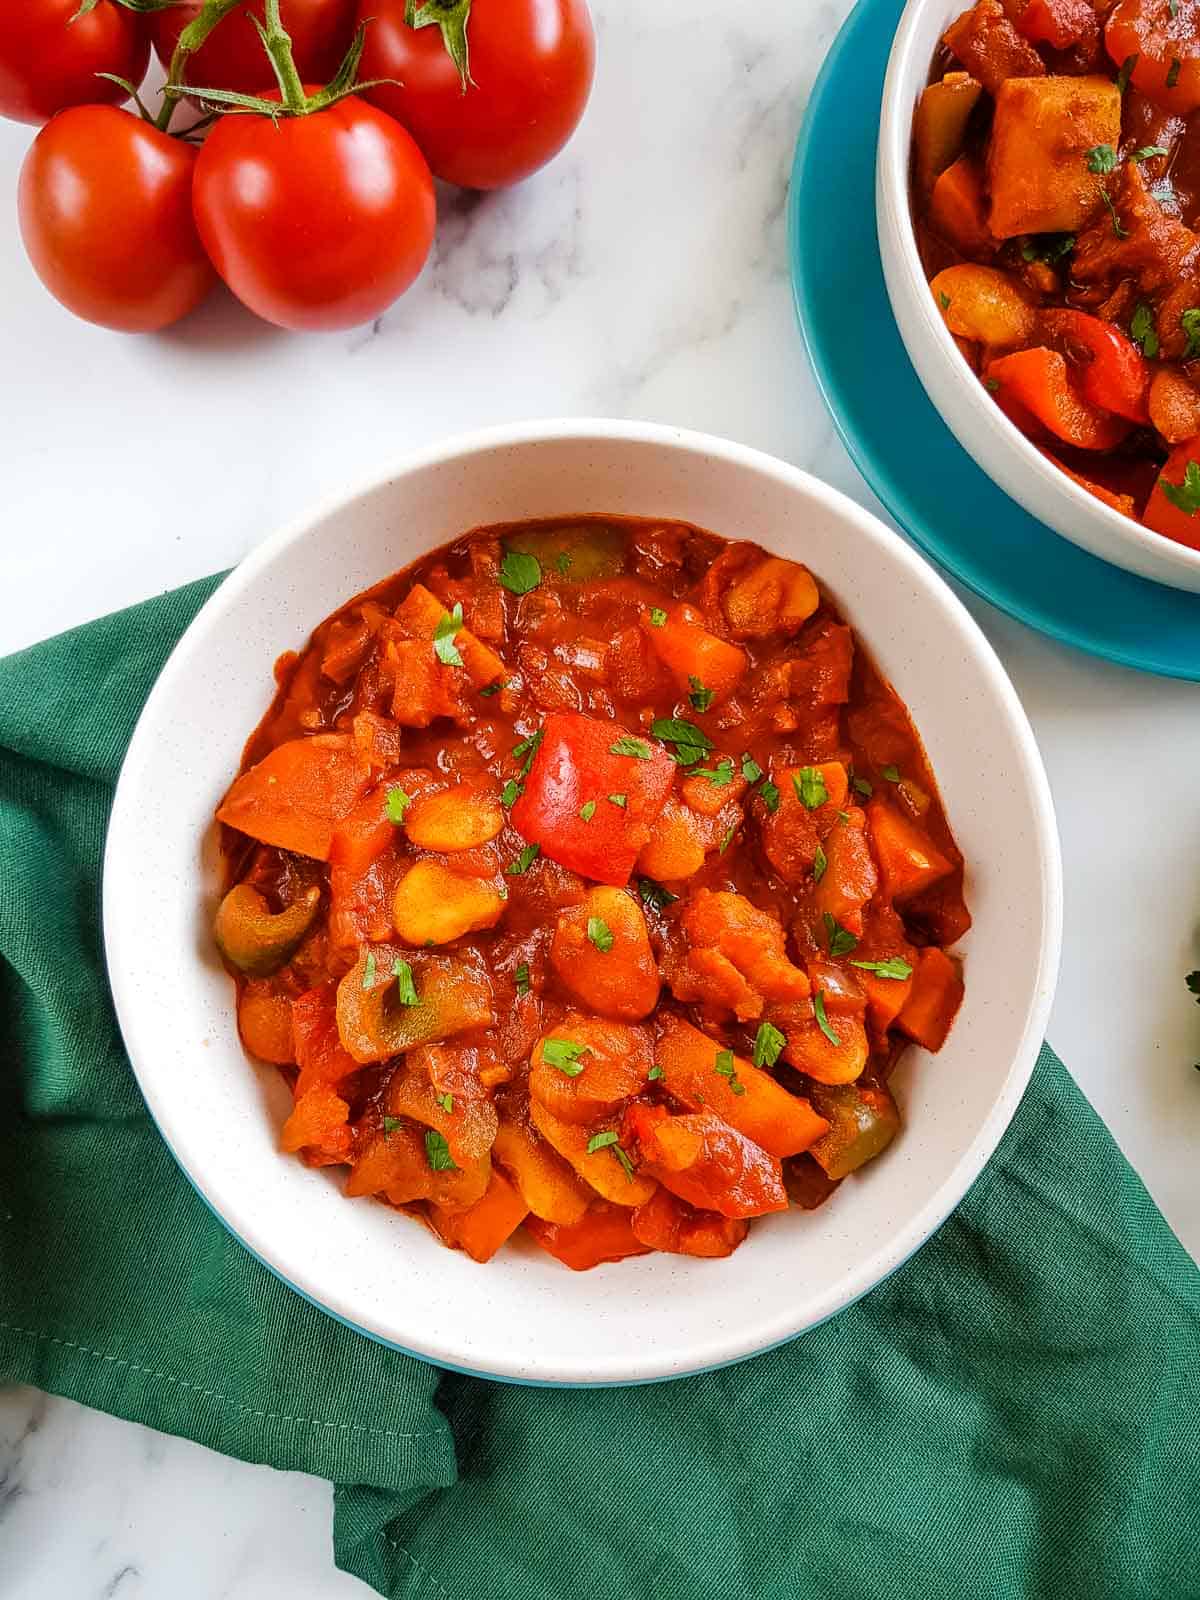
x=524, y=1316
x=970, y=413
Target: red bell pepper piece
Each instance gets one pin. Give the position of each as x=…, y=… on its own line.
x=1175, y=513
x=604, y=1233
x=581, y=764
x=1035, y=383
x=1109, y=368
x=1060, y=23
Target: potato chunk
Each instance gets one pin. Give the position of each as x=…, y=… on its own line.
x=434, y=905
x=1037, y=159
x=587, y=1067
x=459, y=818
x=774, y=596
x=601, y=953
x=736, y=959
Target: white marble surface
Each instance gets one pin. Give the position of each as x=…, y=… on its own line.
x=643, y=274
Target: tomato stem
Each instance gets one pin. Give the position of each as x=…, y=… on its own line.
x=451, y=16
x=277, y=42
x=190, y=40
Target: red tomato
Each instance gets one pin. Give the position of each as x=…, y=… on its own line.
x=1164, y=46
x=105, y=208
x=48, y=62
x=315, y=222
x=1176, y=513
x=1033, y=384
x=531, y=64
x=233, y=57
x=1109, y=368
x=576, y=768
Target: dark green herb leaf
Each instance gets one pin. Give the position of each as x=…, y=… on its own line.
x=619, y=800
x=1101, y=158
x=728, y=839
x=1126, y=72
x=1118, y=230
x=492, y=688
x=564, y=1054
x=600, y=934
x=721, y=774
x=627, y=745
x=405, y=987
x=446, y=1101
x=653, y=894
x=818, y=1005
x=658, y=617
x=1185, y=495
x=437, y=1151
x=624, y=1160
x=1190, y=323
x=674, y=730
x=601, y=1141
x=1049, y=247
x=841, y=940
x=587, y=810
x=770, y=795
x=511, y=793
x=991, y=384
x=1148, y=152
x=891, y=773
x=521, y=978
x=1173, y=72
x=809, y=784
x=528, y=748
x=820, y=862
x=768, y=1042
x=943, y=300
x=444, y=647
x=563, y=562
x=700, y=697
x=397, y=804
x=892, y=967
x=724, y=1068
x=519, y=573
x=861, y=786
x=655, y=1073
x=1141, y=329
x=390, y=1124
x=369, y=970
x=751, y=770
x=524, y=861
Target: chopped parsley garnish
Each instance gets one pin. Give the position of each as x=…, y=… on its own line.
x=390, y=1124
x=587, y=811
x=492, y=688
x=820, y=862
x=991, y=384
x=653, y=894
x=768, y=1042
x=700, y=697
x=728, y=839
x=601, y=1141
x=446, y=1101
x=510, y=793
x=1190, y=323
x=1048, y=247
x=1173, y=72
x=841, y=940
x=818, y=1005
x=521, y=978
x=943, y=300
x=1185, y=495
x=405, y=987
x=770, y=795
x=397, y=804
x=861, y=786
x=437, y=1151
x=524, y=861
x=600, y=934
x=564, y=1054
x=1148, y=152
x=658, y=617
x=627, y=745
x=624, y=1160
x=519, y=573
x=892, y=967
x=444, y=647
x=810, y=788
x=721, y=774
x=619, y=800
x=528, y=748
x=1118, y=230
x=369, y=970
x=563, y=562
x=1142, y=331
x=1126, y=72
x=1101, y=158
x=691, y=743
x=751, y=770
x=724, y=1068
x=655, y=1073
x=891, y=773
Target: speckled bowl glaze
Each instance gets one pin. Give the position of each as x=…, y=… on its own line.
x=525, y=1317
x=967, y=409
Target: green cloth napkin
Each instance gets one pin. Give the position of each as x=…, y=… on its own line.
x=1015, y=1412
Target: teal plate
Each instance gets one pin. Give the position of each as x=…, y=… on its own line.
x=933, y=488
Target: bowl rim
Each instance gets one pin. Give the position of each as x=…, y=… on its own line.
x=892, y=167
x=121, y=951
